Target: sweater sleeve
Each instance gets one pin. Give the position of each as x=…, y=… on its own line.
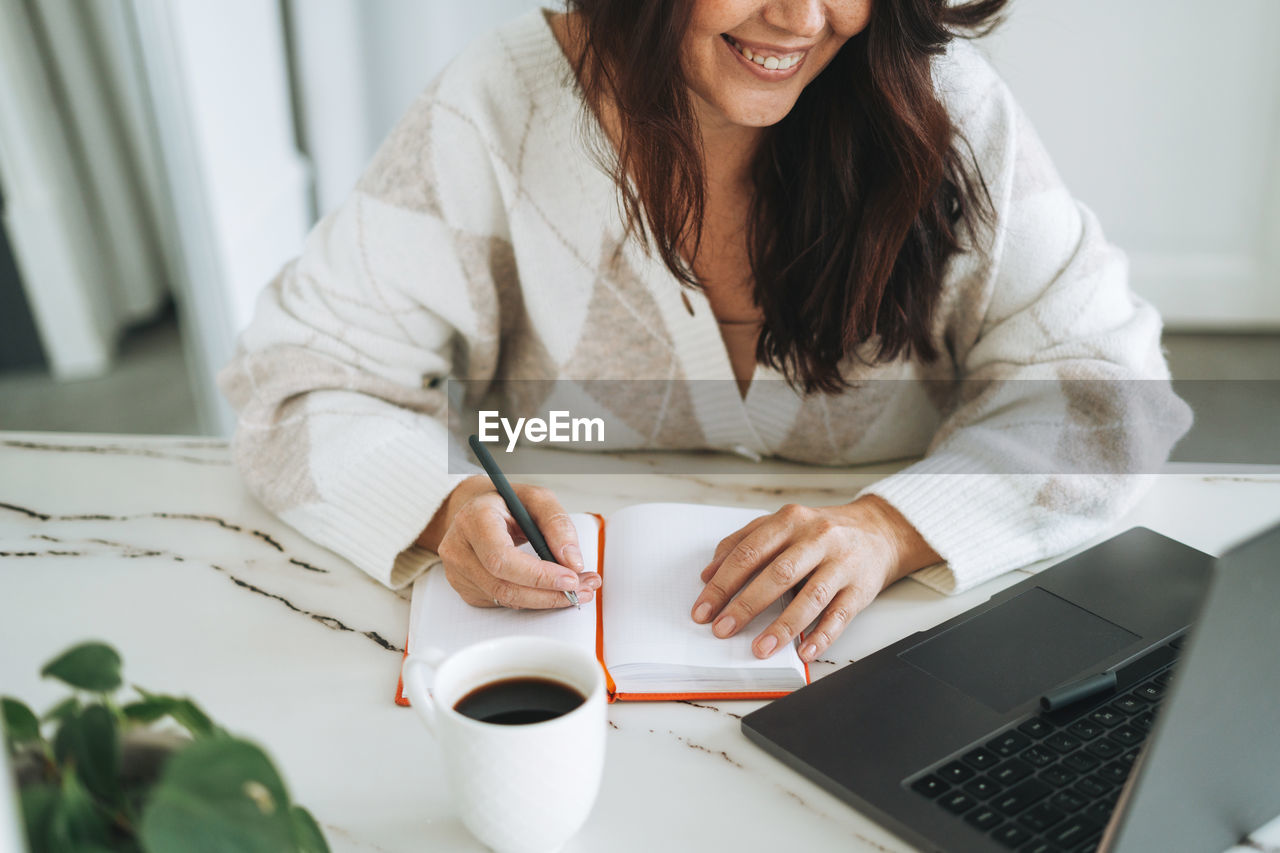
x=1064, y=409
x=340, y=381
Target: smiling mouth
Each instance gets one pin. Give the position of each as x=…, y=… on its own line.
x=767, y=61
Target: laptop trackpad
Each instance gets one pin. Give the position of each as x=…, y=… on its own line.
x=1017, y=650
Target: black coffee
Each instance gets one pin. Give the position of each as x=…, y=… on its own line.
x=518, y=701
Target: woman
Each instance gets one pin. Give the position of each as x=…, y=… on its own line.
x=826, y=192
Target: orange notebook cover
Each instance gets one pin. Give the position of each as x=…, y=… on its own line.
x=614, y=693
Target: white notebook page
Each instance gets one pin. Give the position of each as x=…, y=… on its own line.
x=438, y=617
x=654, y=554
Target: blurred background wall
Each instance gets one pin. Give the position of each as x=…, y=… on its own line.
x=357, y=65
x=1164, y=117
x=161, y=159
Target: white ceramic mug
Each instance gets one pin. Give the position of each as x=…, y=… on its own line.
x=518, y=788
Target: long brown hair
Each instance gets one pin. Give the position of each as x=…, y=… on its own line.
x=862, y=192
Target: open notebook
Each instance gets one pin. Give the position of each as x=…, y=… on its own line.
x=649, y=556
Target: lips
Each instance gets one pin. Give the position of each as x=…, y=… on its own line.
x=766, y=57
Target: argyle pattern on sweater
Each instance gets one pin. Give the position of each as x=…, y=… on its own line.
x=484, y=243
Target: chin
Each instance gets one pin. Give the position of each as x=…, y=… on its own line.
x=749, y=113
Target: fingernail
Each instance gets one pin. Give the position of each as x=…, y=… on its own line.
x=585, y=596
x=724, y=626
x=567, y=582
x=702, y=612
x=809, y=652
x=591, y=581
x=572, y=556
x=767, y=644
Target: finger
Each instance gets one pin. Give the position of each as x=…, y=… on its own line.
x=466, y=588
x=727, y=544
x=792, y=565
x=485, y=528
x=506, y=594
x=475, y=584
x=839, y=613
x=747, y=557
x=555, y=524
x=822, y=588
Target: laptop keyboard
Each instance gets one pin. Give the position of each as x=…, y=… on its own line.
x=1048, y=783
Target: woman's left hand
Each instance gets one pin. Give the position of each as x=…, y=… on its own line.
x=840, y=557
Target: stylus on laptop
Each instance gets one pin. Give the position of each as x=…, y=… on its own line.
x=1080, y=690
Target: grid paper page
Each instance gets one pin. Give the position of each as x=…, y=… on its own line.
x=654, y=554
x=438, y=617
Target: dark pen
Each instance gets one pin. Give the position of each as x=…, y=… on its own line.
x=517, y=509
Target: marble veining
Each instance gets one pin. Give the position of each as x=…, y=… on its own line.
x=1219, y=478
x=83, y=547
x=154, y=545
x=172, y=451
x=715, y=708
x=221, y=522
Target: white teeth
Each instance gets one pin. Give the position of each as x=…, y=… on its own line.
x=771, y=63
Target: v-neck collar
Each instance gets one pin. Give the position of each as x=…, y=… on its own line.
x=754, y=425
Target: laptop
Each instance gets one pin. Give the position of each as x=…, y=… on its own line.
x=1073, y=711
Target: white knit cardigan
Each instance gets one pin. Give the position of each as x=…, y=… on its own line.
x=485, y=243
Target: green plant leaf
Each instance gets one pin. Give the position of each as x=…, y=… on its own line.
x=77, y=822
x=219, y=794
x=183, y=711
x=62, y=710
x=88, y=741
x=88, y=666
x=39, y=802
x=306, y=832
x=144, y=711
x=20, y=723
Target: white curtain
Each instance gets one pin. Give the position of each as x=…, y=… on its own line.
x=91, y=52
x=75, y=166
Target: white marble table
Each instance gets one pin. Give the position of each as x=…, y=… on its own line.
x=153, y=545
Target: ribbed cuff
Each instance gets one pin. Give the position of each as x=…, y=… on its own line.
x=977, y=520
x=379, y=508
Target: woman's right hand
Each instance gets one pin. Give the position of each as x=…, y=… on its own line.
x=477, y=538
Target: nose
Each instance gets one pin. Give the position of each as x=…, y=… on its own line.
x=804, y=18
